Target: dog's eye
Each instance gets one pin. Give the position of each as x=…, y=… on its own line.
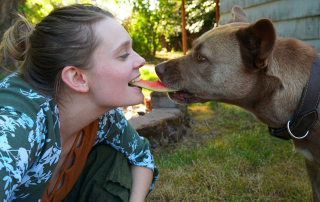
x=201, y=58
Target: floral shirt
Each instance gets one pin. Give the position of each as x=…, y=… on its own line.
x=30, y=144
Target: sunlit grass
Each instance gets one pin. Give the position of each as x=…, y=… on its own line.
x=229, y=156
x=168, y=55
x=148, y=74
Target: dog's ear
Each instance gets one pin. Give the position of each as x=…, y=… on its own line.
x=238, y=15
x=256, y=43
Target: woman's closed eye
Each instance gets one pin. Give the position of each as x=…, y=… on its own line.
x=124, y=56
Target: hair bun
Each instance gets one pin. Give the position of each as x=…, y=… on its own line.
x=16, y=40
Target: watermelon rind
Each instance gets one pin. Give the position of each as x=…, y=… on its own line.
x=156, y=86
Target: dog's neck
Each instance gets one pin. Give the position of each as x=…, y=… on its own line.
x=278, y=92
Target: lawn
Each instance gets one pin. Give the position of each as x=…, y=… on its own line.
x=228, y=155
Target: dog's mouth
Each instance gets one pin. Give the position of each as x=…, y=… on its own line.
x=184, y=97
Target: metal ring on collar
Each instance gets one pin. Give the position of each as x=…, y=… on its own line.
x=288, y=127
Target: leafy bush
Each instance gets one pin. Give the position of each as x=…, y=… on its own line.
x=147, y=74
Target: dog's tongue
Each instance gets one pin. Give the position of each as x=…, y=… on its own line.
x=153, y=85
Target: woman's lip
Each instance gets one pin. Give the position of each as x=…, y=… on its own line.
x=135, y=87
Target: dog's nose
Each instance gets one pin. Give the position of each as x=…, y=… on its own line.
x=160, y=69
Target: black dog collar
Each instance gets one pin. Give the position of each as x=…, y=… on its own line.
x=306, y=114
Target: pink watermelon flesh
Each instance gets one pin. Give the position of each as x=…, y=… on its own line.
x=153, y=85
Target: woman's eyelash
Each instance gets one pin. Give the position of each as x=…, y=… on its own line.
x=124, y=55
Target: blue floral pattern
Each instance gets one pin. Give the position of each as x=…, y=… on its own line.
x=30, y=149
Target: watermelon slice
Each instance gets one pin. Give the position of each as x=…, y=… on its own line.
x=153, y=85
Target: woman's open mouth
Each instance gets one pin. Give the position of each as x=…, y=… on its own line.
x=134, y=80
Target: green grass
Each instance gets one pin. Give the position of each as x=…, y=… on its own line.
x=229, y=156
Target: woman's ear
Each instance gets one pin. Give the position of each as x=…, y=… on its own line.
x=75, y=79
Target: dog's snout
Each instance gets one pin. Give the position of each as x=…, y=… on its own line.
x=160, y=69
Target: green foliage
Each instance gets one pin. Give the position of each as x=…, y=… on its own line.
x=148, y=23
x=200, y=15
x=32, y=12
x=35, y=10
x=153, y=25
x=158, y=25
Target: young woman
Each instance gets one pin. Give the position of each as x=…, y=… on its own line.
x=59, y=113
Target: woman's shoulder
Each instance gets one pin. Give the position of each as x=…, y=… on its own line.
x=15, y=91
x=17, y=94
x=24, y=109
x=12, y=81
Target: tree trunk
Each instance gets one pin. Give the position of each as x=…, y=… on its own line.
x=184, y=32
x=217, y=12
x=8, y=8
x=154, y=44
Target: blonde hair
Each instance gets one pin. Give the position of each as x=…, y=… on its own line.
x=65, y=37
x=16, y=39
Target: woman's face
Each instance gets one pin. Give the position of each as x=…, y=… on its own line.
x=115, y=64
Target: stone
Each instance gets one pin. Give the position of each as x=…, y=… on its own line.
x=161, y=100
x=162, y=126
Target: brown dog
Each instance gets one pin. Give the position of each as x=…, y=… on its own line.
x=248, y=66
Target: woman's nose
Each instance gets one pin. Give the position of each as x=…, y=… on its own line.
x=140, y=61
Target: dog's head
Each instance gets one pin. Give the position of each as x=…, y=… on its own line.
x=223, y=63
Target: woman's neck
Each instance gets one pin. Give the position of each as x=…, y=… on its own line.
x=75, y=113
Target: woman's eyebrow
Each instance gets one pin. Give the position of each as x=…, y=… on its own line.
x=123, y=45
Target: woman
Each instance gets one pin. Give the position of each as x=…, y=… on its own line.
x=63, y=103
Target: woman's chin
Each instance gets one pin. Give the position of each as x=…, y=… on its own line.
x=135, y=100
x=140, y=99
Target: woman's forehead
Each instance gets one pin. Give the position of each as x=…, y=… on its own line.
x=112, y=34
